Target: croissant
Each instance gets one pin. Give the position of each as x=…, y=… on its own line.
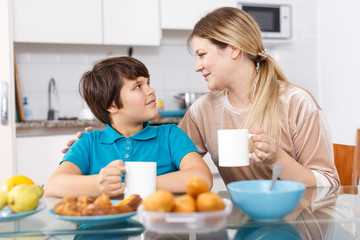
x=85, y=206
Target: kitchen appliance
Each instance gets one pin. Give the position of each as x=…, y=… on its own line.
x=51, y=91
x=187, y=98
x=274, y=20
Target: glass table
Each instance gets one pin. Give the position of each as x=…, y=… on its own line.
x=323, y=213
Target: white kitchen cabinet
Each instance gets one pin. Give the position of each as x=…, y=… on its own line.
x=110, y=22
x=135, y=22
x=184, y=14
x=57, y=21
x=39, y=156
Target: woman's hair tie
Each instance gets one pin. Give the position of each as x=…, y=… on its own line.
x=261, y=56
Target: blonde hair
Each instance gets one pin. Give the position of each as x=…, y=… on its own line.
x=231, y=26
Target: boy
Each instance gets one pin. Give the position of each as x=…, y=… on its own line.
x=118, y=93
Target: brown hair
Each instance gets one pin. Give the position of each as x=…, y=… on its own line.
x=101, y=86
x=232, y=26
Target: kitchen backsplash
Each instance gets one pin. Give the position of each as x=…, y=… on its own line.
x=171, y=69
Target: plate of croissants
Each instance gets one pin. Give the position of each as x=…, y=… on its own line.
x=95, y=211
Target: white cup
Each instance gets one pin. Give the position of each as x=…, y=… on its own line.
x=140, y=178
x=233, y=147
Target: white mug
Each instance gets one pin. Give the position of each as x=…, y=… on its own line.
x=233, y=145
x=140, y=178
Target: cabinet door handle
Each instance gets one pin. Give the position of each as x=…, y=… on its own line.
x=4, y=103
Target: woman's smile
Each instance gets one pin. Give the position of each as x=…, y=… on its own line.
x=205, y=75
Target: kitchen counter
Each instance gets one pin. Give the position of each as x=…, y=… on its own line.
x=56, y=127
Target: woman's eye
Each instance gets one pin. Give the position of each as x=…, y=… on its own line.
x=201, y=54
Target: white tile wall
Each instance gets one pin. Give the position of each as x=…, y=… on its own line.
x=170, y=67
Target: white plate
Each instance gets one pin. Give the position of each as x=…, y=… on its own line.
x=95, y=220
x=7, y=215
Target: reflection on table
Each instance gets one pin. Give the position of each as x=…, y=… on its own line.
x=128, y=228
x=323, y=213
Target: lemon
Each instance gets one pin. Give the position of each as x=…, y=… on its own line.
x=15, y=180
x=3, y=199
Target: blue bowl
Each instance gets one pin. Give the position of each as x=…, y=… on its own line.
x=255, y=199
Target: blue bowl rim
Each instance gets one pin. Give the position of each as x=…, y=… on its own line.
x=300, y=186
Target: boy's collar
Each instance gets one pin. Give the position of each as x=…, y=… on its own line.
x=109, y=135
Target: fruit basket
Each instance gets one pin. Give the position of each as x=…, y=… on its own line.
x=199, y=222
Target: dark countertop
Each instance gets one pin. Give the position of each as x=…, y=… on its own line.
x=56, y=127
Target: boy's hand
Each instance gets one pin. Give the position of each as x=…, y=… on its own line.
x=78, y=135
x=110, y=178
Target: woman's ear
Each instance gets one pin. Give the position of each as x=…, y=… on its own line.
x=235, y=52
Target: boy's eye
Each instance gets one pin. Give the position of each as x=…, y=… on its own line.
x=137, y=86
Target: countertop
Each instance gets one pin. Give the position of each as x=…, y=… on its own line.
x=56, y=127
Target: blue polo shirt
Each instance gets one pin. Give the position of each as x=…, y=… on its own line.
x=166, y=145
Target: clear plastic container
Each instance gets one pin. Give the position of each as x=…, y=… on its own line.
x=198, y=222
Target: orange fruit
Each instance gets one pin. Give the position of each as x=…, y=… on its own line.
x=15, y=180
x=196, y=186
x=184, y=203
x=159, y=201
x=209, y=201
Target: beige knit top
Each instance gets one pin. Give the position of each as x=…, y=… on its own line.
x=305, y=134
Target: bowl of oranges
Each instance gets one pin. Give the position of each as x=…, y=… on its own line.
x=198, y=210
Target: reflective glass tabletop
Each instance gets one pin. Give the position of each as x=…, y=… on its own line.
x=323, y=213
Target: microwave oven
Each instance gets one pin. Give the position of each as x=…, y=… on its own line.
x=274, y=20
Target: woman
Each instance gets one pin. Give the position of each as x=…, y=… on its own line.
x=249, y=90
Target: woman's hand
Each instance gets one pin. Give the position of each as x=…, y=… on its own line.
x=266, y=148
x=268, y=151
x=78, y=135
x=109, y=179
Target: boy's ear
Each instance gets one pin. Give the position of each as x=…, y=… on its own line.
x=112, y=109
